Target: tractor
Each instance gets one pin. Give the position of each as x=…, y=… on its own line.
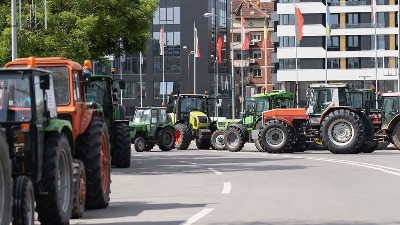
x=390, y=129
x=38, y=145
x=192, y=121
x=239, y=132
x=6, y=181
x=150, y=126
x=102, y=91
x=90, y=131
x=329, y=116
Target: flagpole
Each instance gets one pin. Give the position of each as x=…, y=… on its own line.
x=241, y=66
x=326, y=41
x=376, y=67
x=266, y=54
x=194, y=58
x=141, y=91
x=232, y=67
x=163, y=77
x=297, y=75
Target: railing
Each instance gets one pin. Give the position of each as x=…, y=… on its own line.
x=349, y=3
x=359, y=25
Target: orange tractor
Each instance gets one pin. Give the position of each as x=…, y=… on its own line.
x=90, y=131
x=330, y=116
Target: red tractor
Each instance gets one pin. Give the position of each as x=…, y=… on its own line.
x=329, y=116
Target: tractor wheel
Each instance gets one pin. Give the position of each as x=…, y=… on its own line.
x=369, y=144
x=94, y=151
x=5, y=182
x=166, y=139
x=122, y=112
x=78, y=203
x=55, y=206
x=396, y=136
x=257, y=142
x=275, y=137
x=203, y=143
x=140, y=144
x=183, y=135
x=342, y=131
x=122, y=147
x=217, y=140
x=23, y=209
x=234, y=139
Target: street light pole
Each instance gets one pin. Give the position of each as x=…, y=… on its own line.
x=13, y=30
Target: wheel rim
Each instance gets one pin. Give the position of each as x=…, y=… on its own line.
x=104, y=161
x=2, y=190
x=141, y=145
x=232, y=139
x=177, y=136
x=64, y=184
x=341, y=132
x=274, y=137
x=219, y=140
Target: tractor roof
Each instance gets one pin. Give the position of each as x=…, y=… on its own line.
x=279, y=94
x=391, y=94
x=25, y=68
x=100, y=76
x=46, y=61
x=364, y=90
x=329, y=85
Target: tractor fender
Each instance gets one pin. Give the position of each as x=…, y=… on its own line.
x=86, y=118
x=334, y=108
x=394, y=122
x=62, y=126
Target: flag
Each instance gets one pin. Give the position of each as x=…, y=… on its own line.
x=373, y=11
x=328, y=21
x=299, y=24
x=264, y=43
x=245, y=40
x=141, y=58
x=122, y=57
x=197, y=49
x=162, y=40
x=219, y=49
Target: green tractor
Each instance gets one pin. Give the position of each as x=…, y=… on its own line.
x=39, y=147
x=251, y=119
x=150, y=126
x=102, y=90
x=192, y=121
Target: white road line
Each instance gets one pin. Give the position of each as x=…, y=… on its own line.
x=182, y=161
x=192, y=163
x=137, y=155
x=227, y=188
x=198, y=216
x=215, y=171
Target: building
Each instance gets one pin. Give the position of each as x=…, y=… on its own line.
x=347, y=55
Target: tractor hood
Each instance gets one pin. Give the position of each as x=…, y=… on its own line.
x=199, y=120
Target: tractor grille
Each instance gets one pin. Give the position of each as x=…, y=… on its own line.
x=202, y=119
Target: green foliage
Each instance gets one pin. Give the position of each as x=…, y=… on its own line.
x=79, y=29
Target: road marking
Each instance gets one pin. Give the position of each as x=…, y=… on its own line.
x=215, y=171
x=192, y=163
x=227, y=188
x=198, y=216
x=182, y=161
x=137, y=155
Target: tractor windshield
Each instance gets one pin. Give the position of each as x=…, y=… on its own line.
x=61, y=83
x=142, y=116
x=193, y=104
x=99, y=92
x=357, y=99
x=15, y=98
x=262, y=104
x=390, y=109
x=320, y=100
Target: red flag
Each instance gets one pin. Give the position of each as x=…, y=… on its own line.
x=373, y=11
x=299, y=24
x=197, y=49
x=219, y=49
x=264, y=44
x=162, y=40
x=245, y=40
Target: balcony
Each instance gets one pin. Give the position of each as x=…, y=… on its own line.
x=348, y=3
x=241, y=63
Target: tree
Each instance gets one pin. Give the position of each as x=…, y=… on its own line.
x=78, y=29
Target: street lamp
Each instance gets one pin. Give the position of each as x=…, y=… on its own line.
x=188, y=65
x=232, y=69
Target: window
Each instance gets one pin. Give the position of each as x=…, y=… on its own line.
x=286, y=19
x=352, y=18
x=353, y=63
x=257, y=72
x=257, y=36
x=238, y=37
x=171, y=53
x=286, y=41
x=287, y=64
x=171, y=15
x=333, y=43
x=352, y=43
x=256, y=54
x=333, y=63
x=166, y=88
x=132, y=90
x=380, y=38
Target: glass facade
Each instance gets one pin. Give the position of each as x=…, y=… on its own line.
x=166, y=88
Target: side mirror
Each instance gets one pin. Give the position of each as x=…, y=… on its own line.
x=86, y=77
x=122, y=84
x=44, y=81
x=115, y=97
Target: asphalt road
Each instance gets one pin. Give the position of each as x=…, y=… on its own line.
x=249, y=187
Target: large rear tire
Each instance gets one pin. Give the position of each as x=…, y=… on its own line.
x=217, y=140
x=234, y=139
x=6, y=181
x=342, y=131
x=94, y=151
x=121, y=146
x=183, y=136
x=166, y=139
x=275, y=137
x=396, y=136
x=78, y=203
x=55, y=206
x=257, y=142
x=203, y=143
x=23, y=209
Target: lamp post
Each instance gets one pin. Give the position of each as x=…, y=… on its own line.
x=188, y=65
x=232, y=70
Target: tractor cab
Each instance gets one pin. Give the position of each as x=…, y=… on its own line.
x=390, y=109
x=193, y=109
